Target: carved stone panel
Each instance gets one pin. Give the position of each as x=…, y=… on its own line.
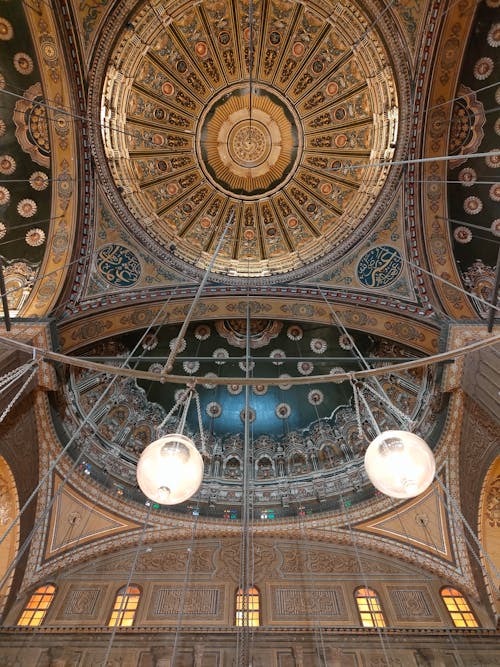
x=80, y=603
x=291, y=603
x=194, y=602
x=413, y=604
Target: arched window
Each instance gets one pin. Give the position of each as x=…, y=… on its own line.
x=38, y=605
x=370, y=610
x=126, y=603
x=458, y=608
x=248, y=607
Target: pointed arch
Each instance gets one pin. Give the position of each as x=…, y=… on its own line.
x=125, y=606
x=37, y=606
x=458, y=608
x=247, y=607
x=369, y=608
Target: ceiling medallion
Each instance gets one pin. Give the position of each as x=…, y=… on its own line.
x=297, y=151
x=249, y=144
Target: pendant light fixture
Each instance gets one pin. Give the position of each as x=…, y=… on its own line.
x=400, y=464
x=170, y=469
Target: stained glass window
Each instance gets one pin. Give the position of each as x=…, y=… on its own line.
x=370, y=610
x=458, y=608
x=38, y=605
x=248, y=607
x=125, y=607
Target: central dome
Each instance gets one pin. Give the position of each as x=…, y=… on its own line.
x=249, y=143
x=294, y=151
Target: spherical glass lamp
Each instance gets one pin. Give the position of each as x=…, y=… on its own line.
x=170, y=470
x=400, y=464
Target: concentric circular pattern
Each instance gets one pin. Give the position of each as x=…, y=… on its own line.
x=495, y=192
x=483, y=68
x=23, y=63
x=281, y=151
x=35, y=237
x=473, y=205
x=4, y=196
x=467, y=177
x=493, y=161
x=6, y=30
x=462, y=235
x=27, y=208
x=3, y=230
x=7, y=165
x=248, y=145
x=39, y=181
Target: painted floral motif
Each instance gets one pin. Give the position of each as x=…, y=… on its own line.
x=495, y=192
x=277, y=355
x=283, y=410
x=202, y=332
x=337, y=370
x=345, y=342
x=493, y=37
x=234, y=389
x=209, y=385
x=39, y=181
x=497, y=95
x=467, y=176
x=3, y=230
x=473, y=205
x=251, y=415
x=6, y=30
x=497, y=126
x=190, y=367
x=149, y=342
x=244, y=365
x=155, y=368
x=4, y=196
x=259, y=389
x=462, y=235
x=305, y=367
x=315, y=397
x=26, y=208
x=35, y=237
x=318, y=345
x=294, y=332
x=3, y=126
x=7, y=165
x=213, y=410
x=23, y=63
x=495, y=227
x=284, y=386
x=220, y=354
x=483, y=68
x=180, y=348
x=493, y=161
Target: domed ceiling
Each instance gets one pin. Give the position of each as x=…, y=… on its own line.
x=306, y=442
x=275, y=119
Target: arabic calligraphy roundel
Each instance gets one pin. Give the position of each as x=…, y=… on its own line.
x=118, y=265
x=380, y=266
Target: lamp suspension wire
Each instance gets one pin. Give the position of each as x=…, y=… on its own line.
x=243, y=634
x=123, y=601
x=354, y=542
x=319, y=641
x=48, y=475
x=182, y=601
x=187, y=320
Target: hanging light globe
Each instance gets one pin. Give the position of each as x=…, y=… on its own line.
x=170, y=470
x=400, y=464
